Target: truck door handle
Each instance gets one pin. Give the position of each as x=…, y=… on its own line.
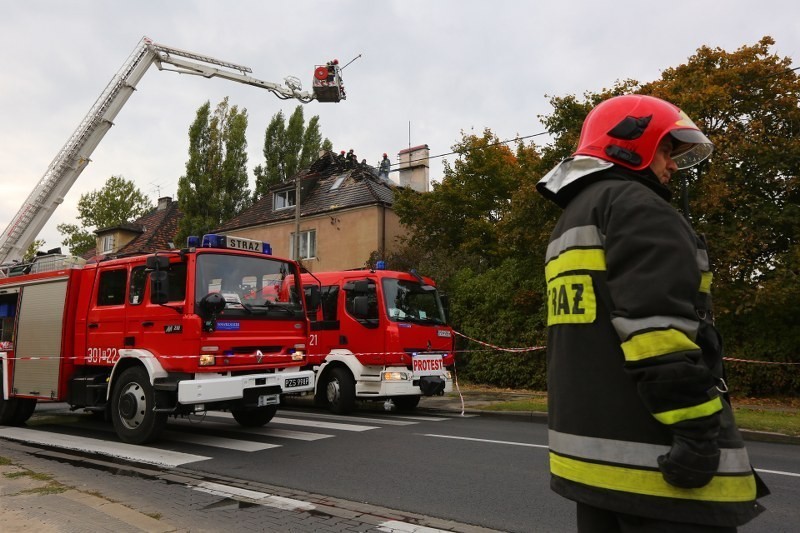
x=94, y=325
x=147, y=323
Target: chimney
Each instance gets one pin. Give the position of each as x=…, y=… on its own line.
x=414, y=169
x=163, y=203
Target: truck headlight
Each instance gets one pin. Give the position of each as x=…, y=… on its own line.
x=394, y=376
x=207, y=359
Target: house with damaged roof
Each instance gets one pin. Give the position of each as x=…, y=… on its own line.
x=149, y=233
x=335, y=215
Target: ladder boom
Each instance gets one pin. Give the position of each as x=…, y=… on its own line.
x=76, y=153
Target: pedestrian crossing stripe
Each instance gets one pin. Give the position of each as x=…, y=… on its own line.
x=119, y=450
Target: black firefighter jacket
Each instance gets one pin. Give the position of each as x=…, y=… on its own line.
x=633, y=358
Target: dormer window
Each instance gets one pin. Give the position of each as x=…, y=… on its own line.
x=108, y=244
x=283, y=199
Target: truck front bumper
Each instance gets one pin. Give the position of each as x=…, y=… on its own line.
x=216, y=388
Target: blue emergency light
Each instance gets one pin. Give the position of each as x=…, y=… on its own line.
x=380, y=265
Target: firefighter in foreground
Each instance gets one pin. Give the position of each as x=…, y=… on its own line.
x=641, y=433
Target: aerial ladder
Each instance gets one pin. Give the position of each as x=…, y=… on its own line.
x=76, y=152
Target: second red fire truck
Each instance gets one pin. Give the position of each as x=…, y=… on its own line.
x=377, y=335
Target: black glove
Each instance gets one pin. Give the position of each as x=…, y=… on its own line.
x=690, y=464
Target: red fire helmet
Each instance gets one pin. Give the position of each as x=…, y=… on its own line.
x=626, y=130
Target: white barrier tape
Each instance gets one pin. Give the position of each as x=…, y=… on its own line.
x=490, y=346
x=513, y=350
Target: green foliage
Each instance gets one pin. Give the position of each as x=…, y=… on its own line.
x=214, y=188
x=484, y=225
x=503, y=306
x=288, y=148
x=118, y=201
x=30, y=253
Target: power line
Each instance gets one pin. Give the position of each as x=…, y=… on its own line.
x=470, y=149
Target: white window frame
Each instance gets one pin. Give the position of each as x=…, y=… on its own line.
x=284, y=199
x=308, y=244
x=107, y=243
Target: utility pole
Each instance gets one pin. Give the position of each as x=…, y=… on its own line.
x=297, y=217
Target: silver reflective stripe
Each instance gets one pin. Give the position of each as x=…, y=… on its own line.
x=571, y=170
x=628, y=326
x=581, y=236
x=702, y=260
x=732, y=460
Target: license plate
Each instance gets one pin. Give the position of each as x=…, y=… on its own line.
x=295, y=382
x=427, y=364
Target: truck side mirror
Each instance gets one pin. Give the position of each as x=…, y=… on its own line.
x=159, y=287
x=313, y=298
x=445, y=306
x=361, y=306
x=157, y=262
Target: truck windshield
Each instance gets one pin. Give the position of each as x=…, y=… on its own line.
x=410, y=301
x=254, y=287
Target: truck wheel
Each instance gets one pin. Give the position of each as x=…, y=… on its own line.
x=340, y=391
x=251, y=418
x=25, y=408
x=406, y=403
x=8, y=408
x=132, y=408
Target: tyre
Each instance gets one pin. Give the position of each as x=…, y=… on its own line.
x=132, y=405
x=340, y=391
x=25, y=408
x=257, y=417
x=406, y=403
x=8, y=408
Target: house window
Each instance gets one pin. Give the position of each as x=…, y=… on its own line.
x=283, y=199
x=108, y=244
x=338, y=182
x=308, y=244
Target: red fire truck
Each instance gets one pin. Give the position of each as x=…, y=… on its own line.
x=138, y=339
x=377, y=335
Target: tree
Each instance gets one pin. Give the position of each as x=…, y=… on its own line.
x=214, y=188
x=288, y=148
x=745, y=199
x=118, y=201
x=462, y=213
x=32, y=250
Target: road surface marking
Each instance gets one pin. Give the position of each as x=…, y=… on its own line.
x=778, y=472
x=261, y=498
x=487, y=440
x=218, y=442
x=120, y=450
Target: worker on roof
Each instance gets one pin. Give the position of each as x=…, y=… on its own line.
x=383, y=167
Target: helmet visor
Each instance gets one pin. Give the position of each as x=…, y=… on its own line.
x=692, y=147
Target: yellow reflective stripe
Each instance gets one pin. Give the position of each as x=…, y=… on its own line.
x=655, y=343
x=579, y=259
x=650, y=482
x=687, y=413
x=705, y=282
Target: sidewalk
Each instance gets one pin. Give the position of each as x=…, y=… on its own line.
x=41, y=491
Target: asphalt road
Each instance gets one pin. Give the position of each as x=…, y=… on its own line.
x=487, y=471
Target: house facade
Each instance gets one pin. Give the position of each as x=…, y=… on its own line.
x=149, y=233
x=344, y=214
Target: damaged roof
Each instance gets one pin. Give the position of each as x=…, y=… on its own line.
x=357, y=186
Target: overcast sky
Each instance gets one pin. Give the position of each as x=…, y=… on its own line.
x=429, y=70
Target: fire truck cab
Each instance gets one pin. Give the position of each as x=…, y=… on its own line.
x=137, y=339
x=377, y=335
